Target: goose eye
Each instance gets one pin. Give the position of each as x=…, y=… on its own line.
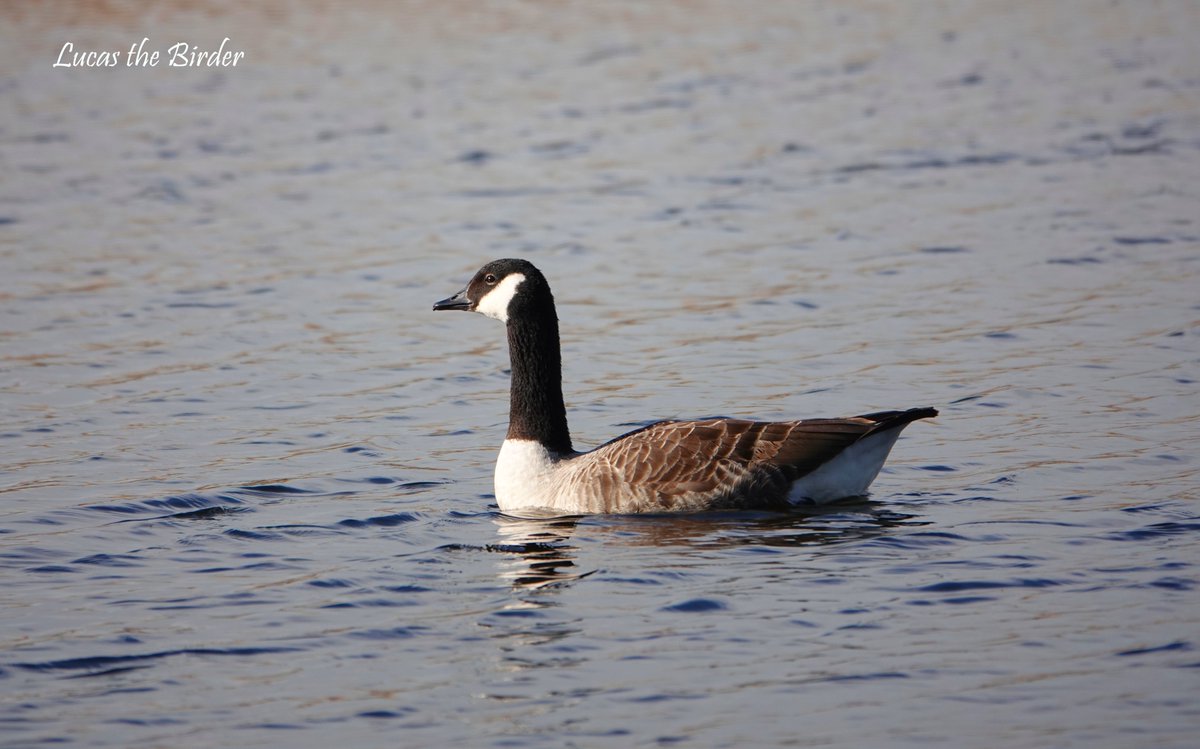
x=490, y=279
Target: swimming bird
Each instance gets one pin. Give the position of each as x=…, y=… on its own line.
x=668, y=466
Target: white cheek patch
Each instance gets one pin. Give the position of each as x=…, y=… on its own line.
x=494, y=304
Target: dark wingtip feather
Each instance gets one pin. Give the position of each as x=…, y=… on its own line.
x=885, y=420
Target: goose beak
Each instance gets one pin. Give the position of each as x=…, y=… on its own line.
x=458, y=301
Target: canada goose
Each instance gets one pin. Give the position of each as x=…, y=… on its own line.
x=668, y=466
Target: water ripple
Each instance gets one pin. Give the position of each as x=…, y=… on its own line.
x=105, y=664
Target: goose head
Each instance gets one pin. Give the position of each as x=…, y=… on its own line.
x=502, y=289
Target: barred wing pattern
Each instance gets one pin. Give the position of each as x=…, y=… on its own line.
x=676, y=466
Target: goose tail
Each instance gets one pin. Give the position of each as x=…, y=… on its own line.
x=886, y=420
x=852, y=470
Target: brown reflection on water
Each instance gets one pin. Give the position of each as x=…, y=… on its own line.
x=542, y=553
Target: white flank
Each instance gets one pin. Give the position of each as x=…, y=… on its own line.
x=494, y=304
x=849, y=473
x=525, y=476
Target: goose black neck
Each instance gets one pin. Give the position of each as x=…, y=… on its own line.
x=536, y=410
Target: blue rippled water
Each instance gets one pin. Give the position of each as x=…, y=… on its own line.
x=245, y=474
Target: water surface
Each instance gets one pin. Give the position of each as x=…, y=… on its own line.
x=246, y=473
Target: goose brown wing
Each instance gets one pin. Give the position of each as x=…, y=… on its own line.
x=681, y=451
x=682, y=456
x=679, y=464
x=799, y=447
